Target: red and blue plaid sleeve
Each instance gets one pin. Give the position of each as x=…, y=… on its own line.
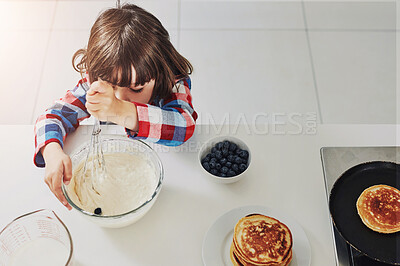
x=60, y=119
x=172, y=122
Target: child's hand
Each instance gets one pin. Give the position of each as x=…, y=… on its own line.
x=101, y=101
x=58, y=169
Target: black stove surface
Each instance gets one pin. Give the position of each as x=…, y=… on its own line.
x=359, y=259
x=356, y=258
x=337, y=160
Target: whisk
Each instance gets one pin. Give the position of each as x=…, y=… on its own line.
x=95, y=166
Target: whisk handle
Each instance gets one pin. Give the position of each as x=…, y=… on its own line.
x=96, y=128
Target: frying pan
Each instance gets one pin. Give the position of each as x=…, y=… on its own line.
x=342, y=205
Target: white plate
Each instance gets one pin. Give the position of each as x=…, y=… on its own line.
x=219, y=237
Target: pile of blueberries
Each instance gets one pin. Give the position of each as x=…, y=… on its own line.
x=225, y=159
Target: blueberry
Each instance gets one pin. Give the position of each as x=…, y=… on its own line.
x=242, y=167
x=223, y=161
x=212, y=165
x=224, y=170
x=232, y=146
x=219, y=145
x=222, y=175
x=231, y=173
x=226, y=144
x=218, y=155
x=212, y=155
x=97, y=211
x=218, y=166
x=228, y=164
x=244, y=154
x=238, y=151
x=230, y=158
x=237, y=160
x=225, y=151
x=213, y=160
x=213, y=150
x=231, y=152
x=206, y=166
x=214, y=171
x=205, y=160
x=235, y=167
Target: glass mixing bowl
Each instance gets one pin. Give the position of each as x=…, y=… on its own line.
x=117, y=144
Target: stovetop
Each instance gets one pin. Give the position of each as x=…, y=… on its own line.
x=335, y=161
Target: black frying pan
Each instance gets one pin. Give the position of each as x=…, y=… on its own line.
x=342, y=205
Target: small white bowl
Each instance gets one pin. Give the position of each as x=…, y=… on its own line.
x=206, y=148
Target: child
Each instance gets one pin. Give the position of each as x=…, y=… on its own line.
x=137, y=80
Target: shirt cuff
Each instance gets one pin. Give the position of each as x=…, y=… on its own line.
x=143, y=122
x=38, y=159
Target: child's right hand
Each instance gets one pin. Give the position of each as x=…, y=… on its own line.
x=58, y=169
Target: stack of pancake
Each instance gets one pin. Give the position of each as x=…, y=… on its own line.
x=261, y=240
x=379, y=208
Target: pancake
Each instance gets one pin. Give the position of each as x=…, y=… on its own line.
x=236, y=262
x=379, y=208
x=289, y=258
x=234, y=259
x=261, y=240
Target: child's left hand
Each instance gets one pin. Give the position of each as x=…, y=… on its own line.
x=101, y=101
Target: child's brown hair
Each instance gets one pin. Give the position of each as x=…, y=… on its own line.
x=129, y=36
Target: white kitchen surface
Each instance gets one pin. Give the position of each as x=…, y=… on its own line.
x=350, y=15
x=285, y=174
x=80, y=15
x=19, y=73
x=362, y=89
x=241, y=15
x=26, y=16
x=279, y=79
x=251, y=58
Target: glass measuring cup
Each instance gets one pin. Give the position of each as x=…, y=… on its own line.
x=36, y=238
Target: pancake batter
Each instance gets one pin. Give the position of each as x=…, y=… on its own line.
x=130, y=181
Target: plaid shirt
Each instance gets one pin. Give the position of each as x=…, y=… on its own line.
x=169, y=121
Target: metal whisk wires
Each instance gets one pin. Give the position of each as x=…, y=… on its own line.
x=95, y=158
x=95, y=163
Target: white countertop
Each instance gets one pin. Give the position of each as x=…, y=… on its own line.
x=285, y=174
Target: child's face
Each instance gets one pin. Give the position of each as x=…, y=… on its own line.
x=140, y=94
